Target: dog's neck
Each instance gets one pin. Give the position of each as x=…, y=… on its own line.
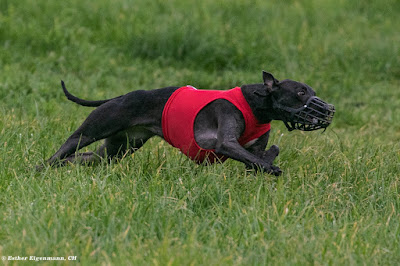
x=261, y=105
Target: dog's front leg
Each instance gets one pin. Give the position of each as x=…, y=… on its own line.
x=219, y=125
x=228, y=145
x=232, y=149
x=258, y=148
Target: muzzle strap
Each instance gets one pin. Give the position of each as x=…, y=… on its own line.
x=315, y=114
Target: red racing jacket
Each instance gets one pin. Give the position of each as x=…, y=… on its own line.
x=181, y=110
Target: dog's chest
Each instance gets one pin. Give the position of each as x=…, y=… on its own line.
x=250, y=143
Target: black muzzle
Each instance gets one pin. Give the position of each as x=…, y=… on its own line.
x=315, y=114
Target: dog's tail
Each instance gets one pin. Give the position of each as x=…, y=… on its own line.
x=82, y=101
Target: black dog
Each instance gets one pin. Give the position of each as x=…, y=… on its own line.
x=233, y=124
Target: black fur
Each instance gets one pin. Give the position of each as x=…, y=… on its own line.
x=128, y=121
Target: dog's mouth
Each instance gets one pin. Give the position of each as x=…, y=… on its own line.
x=315, y=114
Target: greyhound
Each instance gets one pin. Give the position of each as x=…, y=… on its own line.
x=206, y=125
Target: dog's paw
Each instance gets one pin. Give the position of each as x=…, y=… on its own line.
x=274, y=150
x=266, y=168
x=270, y=155
x=40, y=167
x=275, y=170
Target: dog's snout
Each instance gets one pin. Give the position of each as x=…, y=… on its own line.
x=316, y=114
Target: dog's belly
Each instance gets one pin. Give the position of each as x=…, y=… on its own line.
x=139, y=132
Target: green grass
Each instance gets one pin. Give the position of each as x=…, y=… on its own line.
x=337, y=201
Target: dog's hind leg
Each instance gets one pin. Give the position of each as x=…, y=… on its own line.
x=97, y=126
x=74, y=142
x=83, y=158
x=138, y=110
x=128, y=141
x=116, y=146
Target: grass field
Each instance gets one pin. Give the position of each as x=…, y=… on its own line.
x=337, y=202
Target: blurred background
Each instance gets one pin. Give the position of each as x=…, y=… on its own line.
x=348, y=51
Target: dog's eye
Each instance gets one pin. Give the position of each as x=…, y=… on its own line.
x=301, y=93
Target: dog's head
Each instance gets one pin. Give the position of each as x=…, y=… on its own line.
x=296, y=104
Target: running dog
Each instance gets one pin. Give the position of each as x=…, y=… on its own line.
x=206, y=125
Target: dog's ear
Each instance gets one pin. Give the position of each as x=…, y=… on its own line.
x=269, y=81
